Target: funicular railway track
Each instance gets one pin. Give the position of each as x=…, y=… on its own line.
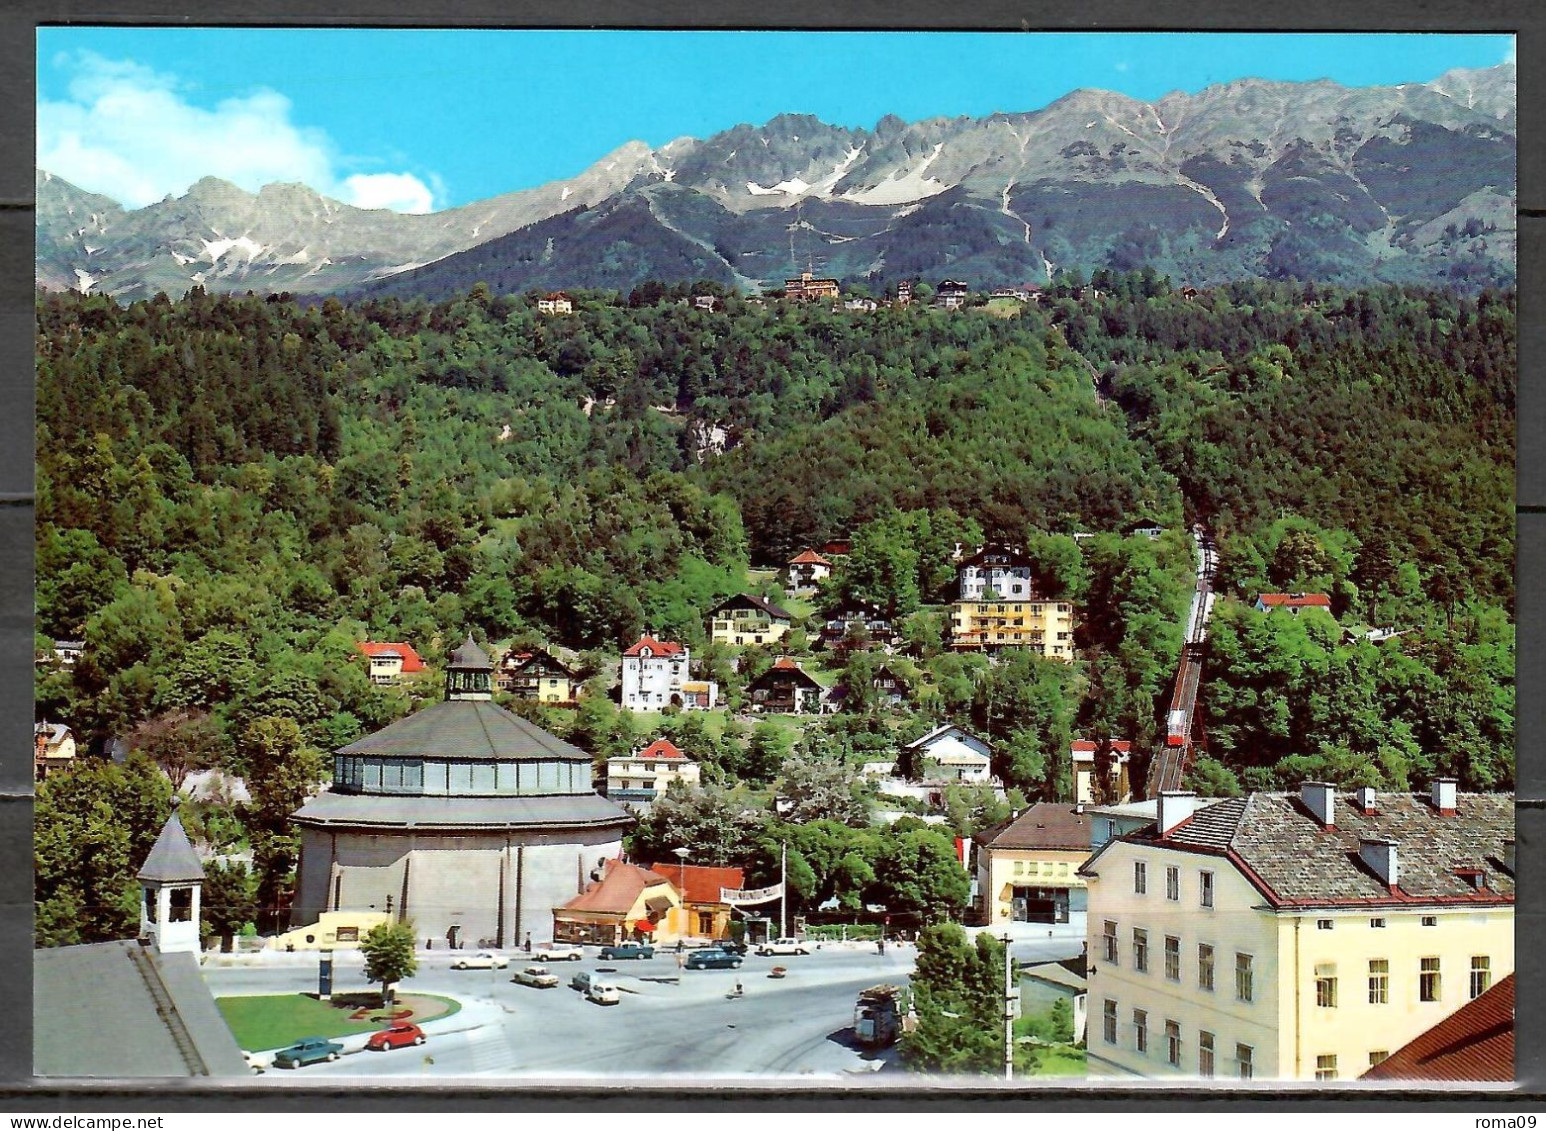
x=1170, y=764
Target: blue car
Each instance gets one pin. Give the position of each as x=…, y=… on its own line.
x=307, y=1050
x=627, y=950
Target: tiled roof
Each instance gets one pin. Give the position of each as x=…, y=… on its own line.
x=658, y=647
x=809, y=557
x=118, y=1009
x=1047, y=824
x=172, y=859
x=702, y=883
x=757, y=603
x=410, y=658
x=785, y=667
x=389, y=811
x=616, y=892
x=1276, y=841
x=998, y=556
x=1086, y=746
x=1475, y=1043
x=1057, y=974
x=662, y=748
x=1295, y=600
x=466, y=728
x=470, y=656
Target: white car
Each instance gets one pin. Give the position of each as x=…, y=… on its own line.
x=483, y=960
x=559, y=952
x=783, y=946
x=538, y=976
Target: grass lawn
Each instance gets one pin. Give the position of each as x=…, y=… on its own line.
x=1061, y=1060
x=273, y=1021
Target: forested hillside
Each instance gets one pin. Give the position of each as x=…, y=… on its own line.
x=231, y=491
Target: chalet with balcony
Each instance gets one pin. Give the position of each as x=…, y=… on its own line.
x=786, y=689
x=748, y=620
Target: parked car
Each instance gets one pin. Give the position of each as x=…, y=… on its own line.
x=483, y=960
x=595, y=987
x=559, y=952
x=400, y=1035
x=307, y=1050
x=783, y=946
x=712, y=958
x=538, y=976
x=627, y=950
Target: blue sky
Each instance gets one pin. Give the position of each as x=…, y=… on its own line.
x=424, y=120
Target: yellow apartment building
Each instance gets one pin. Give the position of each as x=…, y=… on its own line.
x=1043, y=626
x=748, y=620
x=1028, y=869
x=1294, y=936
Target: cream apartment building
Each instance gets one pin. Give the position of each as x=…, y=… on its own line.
x=1294, y=937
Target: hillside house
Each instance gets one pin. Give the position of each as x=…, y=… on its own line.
x=904, y=292
x=837, y=547
x=655, y=676
x=1145, y=528
x=808, y=288
x=1295, y=603
x=1028, y=868
x=556, y=303
x=890, y=689
x=950, y=753
x=748, y=620
x=545, y=675
x=643, y=777
x=807, y=569
x=1118, y=789
x=786, y=689
x=952, y=294
x=863, y=305
x=996, y=572
x=390, y=662
x=1294, y=936
x=705, y=302
x=67, y=652
x=53, y=749
x=855, y=624
x=1044, y=627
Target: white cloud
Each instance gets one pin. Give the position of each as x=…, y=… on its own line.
x=130, y=133
x=401, y=192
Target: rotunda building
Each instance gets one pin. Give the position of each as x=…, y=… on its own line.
x=464, y=818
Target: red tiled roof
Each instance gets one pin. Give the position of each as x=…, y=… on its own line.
x=809, y=557
x=1087, y=746
x=702, y=883
x=411, y=661
x=786, y=664
x=661, y=748
x=1474, y=1043
x=658, y=647
x=616, y=892
x=1295, y=600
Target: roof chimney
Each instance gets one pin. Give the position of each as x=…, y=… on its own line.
x=1175, y=806
x=1444, y=796
x=1508, y=855
x=1379, y=855
x=1320, y=798
x=1365, y=798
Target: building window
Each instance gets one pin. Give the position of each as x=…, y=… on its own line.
x=1243, y=1061
x=1140, y=950
x=1110, y=938
x=1204, y=1053
x=1481, y=974
x=1326, y=985
x=1173, y=1043
x=1173, y=958
x=1244, y=980
x=1326, y=1066
x=1379, y=981
x=1429, y=986
x=1377, y=924
x=1140, y=878
x=1172, y=884
x=1206, y=879
x=1140, y=1030
x=1324, y=924
x=1430, y=920
x=1379, y=1057
x=1109, y=1021
x=1205, y=967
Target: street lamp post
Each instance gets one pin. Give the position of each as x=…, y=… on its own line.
x=681, y=858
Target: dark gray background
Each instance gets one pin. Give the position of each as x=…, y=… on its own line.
x=19, y=18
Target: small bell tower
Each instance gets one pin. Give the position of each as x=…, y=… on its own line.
x=470, y=674
x=171, y=881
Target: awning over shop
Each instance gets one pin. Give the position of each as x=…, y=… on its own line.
x=658, y=903
x=643, y=925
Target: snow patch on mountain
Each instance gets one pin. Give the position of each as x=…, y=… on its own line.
x=217, y=248
x=903, y=188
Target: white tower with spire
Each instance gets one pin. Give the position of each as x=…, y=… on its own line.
x=171, y=882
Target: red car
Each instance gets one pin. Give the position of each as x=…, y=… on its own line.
x=397, y=1036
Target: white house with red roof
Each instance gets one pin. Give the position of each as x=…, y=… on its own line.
x=390, y=661
x=1295, y=603
x=655, y=676
x=807, y=569
x=643, y=777
x=1118, y=790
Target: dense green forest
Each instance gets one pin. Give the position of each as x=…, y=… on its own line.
x=233, y=490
